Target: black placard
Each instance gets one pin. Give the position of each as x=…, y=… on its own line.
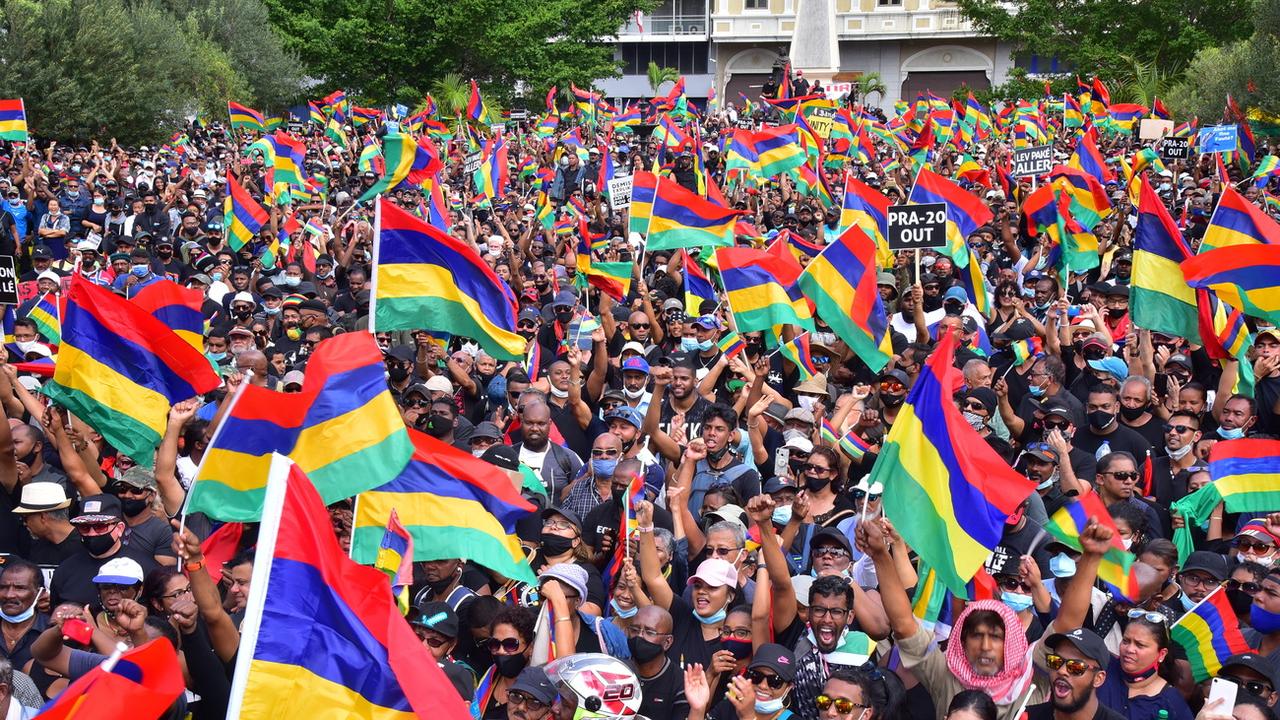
x=8, y=281
x=1175, y=148
x=1030, y=161
x=917, y=227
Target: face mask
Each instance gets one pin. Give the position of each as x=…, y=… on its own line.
x=633, y=394
x=603, y=468
x=271, y=311
x=325, y=275
x=734, y=386
x=98, y=544
x=564, y=162
x=782, y=515
x=688, y=344
x=73, y=194
x=1101, y=420
x=625, y=613
x=892, y=400
x=558, y=393
x=139, y=270
x=1263, y=621
x=1187, y=603
x=27, y=346
x=1062, y=565
x=1132, y=413
x=1036, y=390
x=1116, y=313
x=1231, y=434
x=438, y=427
x=555, y=545
x=1267, y=561
x=642, y=650
x=242, y=314
x=1127, y=542
x=133, y=506
x=714, y=618
x=816, y=484
x=216, y=357
x=806, y=401
x=1179, y=453
x=976, y=421
x=1138, y=677
x=768, y=707
x=1049, y=481
x=98, y=201
x=1016, y=601
x=510, y=666
x=15, y=204
x=741, y=649
x=1240, y=601
x=398, y=374
x=217, y=277
x=25, y=615
x=291, y=281
x=705, y=345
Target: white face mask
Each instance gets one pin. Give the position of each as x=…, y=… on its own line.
x=1179, y=453
x=633, y=394
x=806, y=401
x=557, y=392
x=1128, y=542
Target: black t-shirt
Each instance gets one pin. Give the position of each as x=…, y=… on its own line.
x=605, y=518
x=688, y=645
x=574, y=436
x=1044, y=711
x=692, y=419
x=1122, y=438
x=663, y=694
x=73, y=580
x=1152, y=431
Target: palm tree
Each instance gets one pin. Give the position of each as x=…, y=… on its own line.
x=871, y=83
x=452, y=93
x=659, y=75
x=1143, y=83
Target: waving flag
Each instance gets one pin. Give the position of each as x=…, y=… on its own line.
x=323, y=632
x=422, y=276
x=13, y=120
x=146, y=680
x=697, y=288
x=242, y=216
x=395, y=558
x=1116, y=567
x=1160, y=298
x=1246, y=477
x=1210, y=634
x=796, y=351
x=841, y=282
x=407, y=160
x=476, y=109
x=1088, y=159
x=452, y=505
x=242, y=117
x=120, y=369
x=1236, y=221
x=760, y=289
x=945, y=490
x=177, y=307
x=965, y=212
x=867, y=209
x=680, y=219
x=47, y=313
x=1245, y=277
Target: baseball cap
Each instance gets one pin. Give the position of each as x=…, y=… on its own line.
x=716, y=573
x=627, y=414
x=1112, y=366
x=119, y=571
x=830, y=535
x=437, y=383
x=632, y=346
x=1086, y=641
x=800, y=443
x=1178, y=359
x=956, y=292
x=1256, y=663
x=1208, y=562
x=137, y=477
x=673, y=304
x=707, y=322
x=487, y=430
x=99, y=508
x=1004, y=561
x=293, y=377
x=438, y=616
x=566, y=513
x=800, y=414
x=776, y=658
x=728, y=512
x=503, y=456
x=533, y=681
x=1042, y=451
x=564, y=298
x=635, y=364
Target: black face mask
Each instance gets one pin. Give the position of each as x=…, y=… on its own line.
x=438, y=427
x=740, y=649
x=510, y=666
x=564, y=316
x=133, y=506
x=796, y=466
x=643, y=650
x=29, y=458
x=1100, y=420
x=1240, y=601
x=1132, y=413
x=616, y=493
x=397, y=374
x=554, y=545
x=1116, y=313
x=717, y=455
x=97, y=544
x=816, y=484
x=242, y=314
x=892, y=400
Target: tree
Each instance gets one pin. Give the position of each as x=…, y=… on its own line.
x=659, y=75
x=1241, y=69
x=870, y=83
x=1093, y=35
x=452, y=93
x=391, y=51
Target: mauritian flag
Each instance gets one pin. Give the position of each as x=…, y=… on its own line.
x=1246, y=478
x=1116, y=567
x=395, y=558
x=13, y=120
x=796, y=351
x=1210, y=633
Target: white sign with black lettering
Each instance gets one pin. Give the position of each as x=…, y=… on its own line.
x=917, y=227
x=620, y=192
x=473, y=162
x=1031, y=161
x=8, y=281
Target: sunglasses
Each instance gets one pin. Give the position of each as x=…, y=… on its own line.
x=1180, y=429
x=1249, y=588
x=829, y=551
x=892, y=386
x=844, y=706
x=641, y=325
x=509, y=646
x=722, y=551
x=816, y=468
x=1012, y=584
x=755, y=677
x=1122, y=476
x=1251, y=546
x=975, y=406
x=518, y=697
x=1154, y=618
x=859, y=494
x=603, y=452
x=1254, y=687
x=1075, y=668
x=1056, y=424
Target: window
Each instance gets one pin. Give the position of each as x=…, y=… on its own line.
x=890, y=3
x=690, y=58
x=756, y=4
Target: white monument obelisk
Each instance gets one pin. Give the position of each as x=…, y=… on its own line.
x=815, y=48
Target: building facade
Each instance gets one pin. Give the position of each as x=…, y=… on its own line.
x=733, y=46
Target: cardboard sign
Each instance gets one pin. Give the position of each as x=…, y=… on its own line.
x=1175, y=148
x=1218, y=138
x=8, y=281
x=473, y=162
x=821, y=119
x=619, y=190
x=519, y=114
x=1154, y=128
x=1031, y=161
x=917, y=227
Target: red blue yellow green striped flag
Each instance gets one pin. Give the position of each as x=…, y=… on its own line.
x=1210, y=633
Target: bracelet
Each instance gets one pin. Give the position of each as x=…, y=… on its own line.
x=564, y=619
x=194, y=566
x=644, y=528
x=1215, y=517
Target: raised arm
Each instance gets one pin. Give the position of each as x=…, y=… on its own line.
x=222, y=631
x=172, y=494
x=897, y=606
x=650, y=568
x=760, y=509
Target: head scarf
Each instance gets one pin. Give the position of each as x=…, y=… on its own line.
x=1005, y=685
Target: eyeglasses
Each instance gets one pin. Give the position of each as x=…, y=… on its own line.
x=177, y=593
x=975, y=406
x=604, y=452
x=1150, y=616
x=526, y=325
x=509, y=646
x=557, y=525
x=844, y=706
x=1252, y=546
x=1011, y=583
x=735, y=633
x=647, y=633
x=1056, y=424
x=722, y=551
x=1249, y=588
x=818, y=611
x=518, y=697
x=1254, y=687
x=1122, y=476
x=1197, y=580
x=830, y=551
x=811, y=467
x=755, y=677
x=892, y=386
x=859, y=494
x=1075, y=668
x=1180, y=429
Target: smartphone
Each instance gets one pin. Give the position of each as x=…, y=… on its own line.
x=1161, y=384
x=1225, y=690
x=82, y=632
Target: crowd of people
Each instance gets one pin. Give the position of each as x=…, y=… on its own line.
x=762, y=580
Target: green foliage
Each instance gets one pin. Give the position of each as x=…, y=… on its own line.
x=869, y=84
x=131, y=70
x=1095, y=35
x=1244, y=70
x=391, y=50
x=451, y=92
x=659, y=75
x=1019, y=86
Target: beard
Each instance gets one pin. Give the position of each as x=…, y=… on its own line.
x=1074, y=703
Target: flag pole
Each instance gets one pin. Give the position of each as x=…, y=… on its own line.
x=213, y=440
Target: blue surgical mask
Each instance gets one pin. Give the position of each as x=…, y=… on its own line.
x=1263, y=621
x=1187, y=603
x=139, y=270
x=705, y=345
x=1036, y=390
x=25, y=615
x=217, y=277
x=782, y=515
x=768, y=707
x=271, y=310
x=688, y=344
x=216, y=357
x=1232, y=434
x=603, y=468
x=291, y=281
x=1016, y=601
x=622, y=612
x=1062, y=565
x=715, y=617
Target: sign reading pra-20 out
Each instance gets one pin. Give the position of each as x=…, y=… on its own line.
x=917, y=227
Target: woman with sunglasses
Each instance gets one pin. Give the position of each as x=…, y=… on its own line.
x=1138, y=677
x=511, y=645
x=822, y=484
x=761, y=692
